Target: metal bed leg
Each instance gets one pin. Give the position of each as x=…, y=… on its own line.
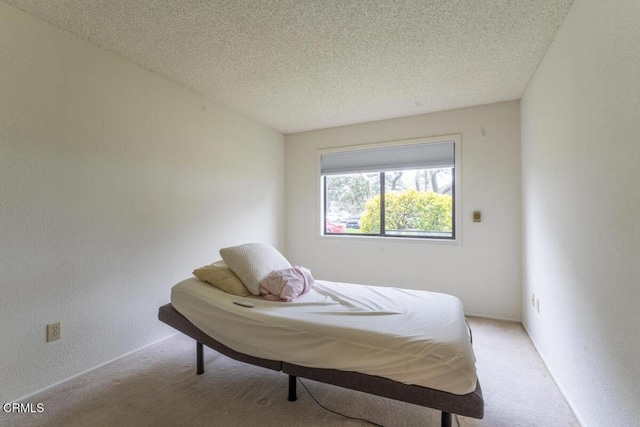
x=292, y=388
x=446, y=419
x=199, y=359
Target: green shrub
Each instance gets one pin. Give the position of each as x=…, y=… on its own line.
x=408, y=210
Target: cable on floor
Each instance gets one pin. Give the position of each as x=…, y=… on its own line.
x=350, y=417
x=336, y=412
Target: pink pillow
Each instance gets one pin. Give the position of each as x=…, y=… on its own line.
x=286, y=284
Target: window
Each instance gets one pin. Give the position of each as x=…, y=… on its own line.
x=399, y=189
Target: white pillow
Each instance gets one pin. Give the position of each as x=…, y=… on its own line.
x=252, y=262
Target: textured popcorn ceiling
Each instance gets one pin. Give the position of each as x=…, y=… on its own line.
x=299, y=65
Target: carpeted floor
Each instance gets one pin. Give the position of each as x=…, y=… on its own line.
x=157, y=386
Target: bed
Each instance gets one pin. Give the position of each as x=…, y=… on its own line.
x=411, y=346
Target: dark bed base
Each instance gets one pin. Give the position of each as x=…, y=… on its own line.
x=469, y=405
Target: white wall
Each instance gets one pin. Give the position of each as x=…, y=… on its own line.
x=484, y=272
x=581, y=204
x=114, y=184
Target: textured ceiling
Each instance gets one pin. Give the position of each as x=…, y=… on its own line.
x=298, y=65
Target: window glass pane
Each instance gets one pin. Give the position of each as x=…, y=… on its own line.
x=347, y=199
x=419, y=203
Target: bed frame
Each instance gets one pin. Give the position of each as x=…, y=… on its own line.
x=469, y=405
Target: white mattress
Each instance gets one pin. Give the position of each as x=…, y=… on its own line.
x=413, y=337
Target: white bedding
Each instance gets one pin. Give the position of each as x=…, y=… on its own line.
x=413, y=337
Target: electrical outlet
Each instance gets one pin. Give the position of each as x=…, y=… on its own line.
x=53, y=331
x=538, y=305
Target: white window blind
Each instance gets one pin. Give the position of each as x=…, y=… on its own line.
x=402, y=157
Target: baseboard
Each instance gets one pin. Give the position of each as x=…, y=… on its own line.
x=484, y=316
x=554, y=378
x=31, y=395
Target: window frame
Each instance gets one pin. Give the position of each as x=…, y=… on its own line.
x=456, y=191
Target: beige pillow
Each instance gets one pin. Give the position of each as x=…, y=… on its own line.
x=252, y=262
x=220, y=275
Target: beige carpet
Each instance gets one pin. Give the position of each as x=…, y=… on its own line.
x=157, y=386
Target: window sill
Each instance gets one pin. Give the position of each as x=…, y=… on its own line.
x=380, y=239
